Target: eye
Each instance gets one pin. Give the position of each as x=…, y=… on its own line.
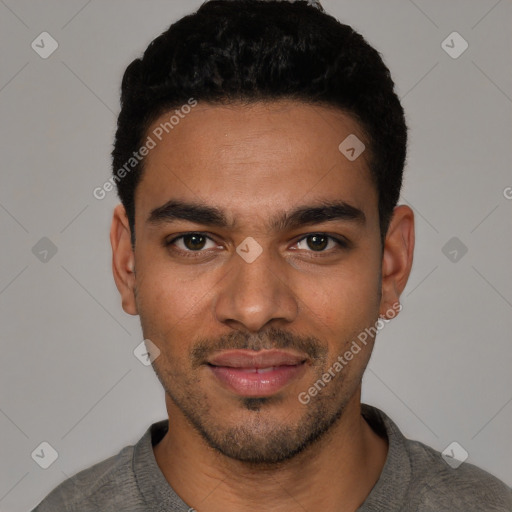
x=196, y=242
x=319, y=242
x=191, y=242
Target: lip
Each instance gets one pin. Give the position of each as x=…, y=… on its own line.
x=256, y=374
x=259, y=359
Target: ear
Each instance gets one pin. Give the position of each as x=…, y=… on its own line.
x=123, y=259
x=397, y=258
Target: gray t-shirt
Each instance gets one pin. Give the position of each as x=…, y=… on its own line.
x=415, y=478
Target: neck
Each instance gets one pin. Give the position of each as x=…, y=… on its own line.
x=350, y=454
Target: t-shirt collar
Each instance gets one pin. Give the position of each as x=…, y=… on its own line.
x=387, y=494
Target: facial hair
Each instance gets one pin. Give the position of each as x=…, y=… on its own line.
x=261, y=439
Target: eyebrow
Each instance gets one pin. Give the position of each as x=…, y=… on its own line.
x=323, y=211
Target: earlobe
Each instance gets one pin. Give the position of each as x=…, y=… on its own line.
x=123, y=259
x=397, y=258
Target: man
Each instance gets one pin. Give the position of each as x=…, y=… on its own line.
x=259, y=158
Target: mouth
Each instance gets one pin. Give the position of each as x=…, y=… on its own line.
x=256, y=374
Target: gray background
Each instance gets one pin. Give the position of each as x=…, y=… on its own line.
x=68, y=375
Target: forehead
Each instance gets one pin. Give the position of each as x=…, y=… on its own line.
x=254, y=159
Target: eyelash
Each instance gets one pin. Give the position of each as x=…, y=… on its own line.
x=342, y=244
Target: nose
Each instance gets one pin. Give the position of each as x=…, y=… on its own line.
x=256, y=292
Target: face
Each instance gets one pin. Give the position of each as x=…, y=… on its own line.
x=257, y=263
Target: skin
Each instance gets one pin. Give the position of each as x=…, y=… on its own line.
x=254, y=162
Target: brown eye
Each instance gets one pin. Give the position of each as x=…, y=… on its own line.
x=194, y=242
x=191, y=242
x=319, y=242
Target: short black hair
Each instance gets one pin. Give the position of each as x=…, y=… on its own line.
x=263, y=50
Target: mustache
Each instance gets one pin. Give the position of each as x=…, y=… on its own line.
x=272, y=338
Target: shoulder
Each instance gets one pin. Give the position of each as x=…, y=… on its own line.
x=439, y=486
x=96, y=487
x=417, y=478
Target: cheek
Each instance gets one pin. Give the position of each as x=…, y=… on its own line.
x=342, y=298
x=165, y=303
x=343, y=305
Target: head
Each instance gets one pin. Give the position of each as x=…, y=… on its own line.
x=263, y=148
